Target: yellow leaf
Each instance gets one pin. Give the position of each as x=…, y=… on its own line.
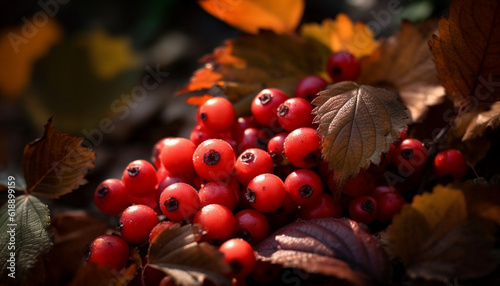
x=341, y=34
x=20, y=47
x=280, y=16
x=109, y=55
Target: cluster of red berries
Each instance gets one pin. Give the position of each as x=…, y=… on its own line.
x=240, y=178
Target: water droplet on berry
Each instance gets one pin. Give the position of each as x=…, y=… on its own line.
x=211, y=157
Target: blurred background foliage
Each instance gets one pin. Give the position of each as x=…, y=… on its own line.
x=80, y=61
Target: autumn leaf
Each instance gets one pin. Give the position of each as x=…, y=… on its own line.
x=327, y=246
x=482, y=200
x=404, y=63
x=178, y=252
x=93, y=274
x=280, y=16
x=27, y=223
x=467, y=51
x=19, y=51
x=340, y=34
x=435, y=239
x=485, y=120
x=245, y=66
x=357, y=123
x=56, y=163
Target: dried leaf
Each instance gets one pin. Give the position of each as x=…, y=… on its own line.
x=467, y=51
x=245, y=66
x=357, y=123
x=92, y=274
x=28, y=224
x=280, y=16
x=404, y=63
x=327, y=246
x=341, y=34
x=435, y=240
x=56, y=163
x=482, y=200
x=177, y=252
x=20, y=47
x=483, y=120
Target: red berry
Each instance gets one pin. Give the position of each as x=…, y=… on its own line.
x=252, y=138
x=179, y=202
x=251, y=163
x=214, y=160
x=200, y=134
x=360, y=185
x=170, y=180
x=410, y=157
x=136, y=223
x=155, y=155
x=177, y=156
x=451, y=163
x=295, y=113
x=218, y=222
x=309, y=86
x=363, y=209
x=251, y=225
x=217, y=193
x=265, y=104
x=389, y=204
x=241, y=124
x=304, y=187
x=303, y=147
x=159, y=228
x=150, y=200
x=140, y=178
x=382, y=190
x=217, y=114
x=275, y=147
x=343, y=66
x=109, y=251
x=266, y=193
x=240, y=256
x=325, y=207
x=110, y=197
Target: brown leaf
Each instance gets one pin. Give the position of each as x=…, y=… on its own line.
x=482, y=200
x=484, y=120
x=56, y=163
x=403, y=62
x=327, y=246
x=245, y=66
x=467, y=51
x=435, y=239
x=92, y=274
x=281, y=16
x=357, y=123
x=177, y=252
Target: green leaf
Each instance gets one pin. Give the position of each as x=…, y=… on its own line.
x=56, y=163
x=24, y=231
x=177, y=252
x=357, y=123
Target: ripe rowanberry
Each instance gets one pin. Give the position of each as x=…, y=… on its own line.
x=217, y=193
x=241, y=124
x=110, y=197
x=295, y=113
x=201, y=133
x=217, y=222
x=140, y=178
x=304, y=187
x=363, y=209
x=169, y=180
x=450, y=163
x=177, y=156
x=149, y=200
x=343, y=66
x=266, y=193
x=161, y=226
x=251, y=225
x=309, y=86
x=381, y=190
x=360, y=185
x=265, y=104
x=240, y=256
x=179, y=202
x=109, y=251
x=155, y=154
x=275, y=148
x=303, y=147
x=325, y=207
x=217, y=114
x=252, y=163
x=136, y=223
x=410, y=157
x=252, y=138
x=389, y=204
x=214, y=160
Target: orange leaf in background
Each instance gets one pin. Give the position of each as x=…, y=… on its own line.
x=280, y=16
x=467, y=51
x=341, y=34
x=198, y=100
x=403, y=62
x=20, y=47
